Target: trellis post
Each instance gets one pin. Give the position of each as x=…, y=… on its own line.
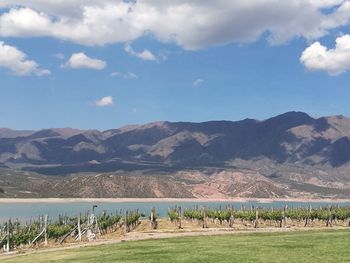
x=8, y=236
x=46, y=219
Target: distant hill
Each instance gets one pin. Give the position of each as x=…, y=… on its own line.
x=8, y=133
x=288, y=155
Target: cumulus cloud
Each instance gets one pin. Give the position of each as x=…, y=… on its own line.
x=80, y=60
x=334, y=61
x=145, y=54
x=16, y=61
x=197, y=82
x=104, y=102
x=193, y=25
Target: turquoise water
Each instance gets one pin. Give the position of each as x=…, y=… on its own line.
x=24, y=211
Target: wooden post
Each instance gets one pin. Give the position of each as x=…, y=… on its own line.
x=231, y=217
x=79, y=228
x=284, y=216
x=17, y=224
x=330, y=219
x=46, y=218
x=8, y=236
x=307, y=217
x=256, y=218
x=153, y=218
x=180, y=217
x=204, y=225
x=98, y=227
x=125, y=220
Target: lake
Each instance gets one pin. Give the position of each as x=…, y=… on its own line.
x=24, y=211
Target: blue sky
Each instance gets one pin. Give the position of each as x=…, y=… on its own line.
x=183, y=81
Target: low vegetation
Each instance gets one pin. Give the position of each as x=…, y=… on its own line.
x=308, y=246
x=274, y=217
x=15, y=236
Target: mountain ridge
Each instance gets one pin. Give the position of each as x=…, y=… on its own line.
x=286, y=153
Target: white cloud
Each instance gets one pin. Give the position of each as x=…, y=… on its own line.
x=41, y=72
x=59, y=56
x=197, y=82
x=115, y=74
x=104, y=102
x=127, y=75
x=145, y=54
x=80, y=60
x=130, y=75
x=16, y=61
x=334, y=61
x=193, y=25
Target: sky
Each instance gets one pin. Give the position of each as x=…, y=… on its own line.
x=102, y=64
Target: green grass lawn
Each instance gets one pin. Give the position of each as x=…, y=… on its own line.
x=311, y=246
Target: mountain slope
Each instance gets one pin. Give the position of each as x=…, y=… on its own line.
x=286, y=154
x=288, y=138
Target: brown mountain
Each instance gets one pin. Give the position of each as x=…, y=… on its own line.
x=8, y=133
x=291, y=154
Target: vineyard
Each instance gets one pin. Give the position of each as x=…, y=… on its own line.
x=87, y=227
x=323, y=216
x=15, y=235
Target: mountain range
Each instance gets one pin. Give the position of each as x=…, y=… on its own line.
x=290, y=155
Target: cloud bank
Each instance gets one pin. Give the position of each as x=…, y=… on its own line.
x=193, y=25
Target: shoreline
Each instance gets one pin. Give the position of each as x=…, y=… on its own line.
x=167, y=200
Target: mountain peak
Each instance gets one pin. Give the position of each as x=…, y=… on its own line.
x=293, y=115
x=288, y=120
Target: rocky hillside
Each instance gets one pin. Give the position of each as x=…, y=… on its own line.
x=286, y=155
